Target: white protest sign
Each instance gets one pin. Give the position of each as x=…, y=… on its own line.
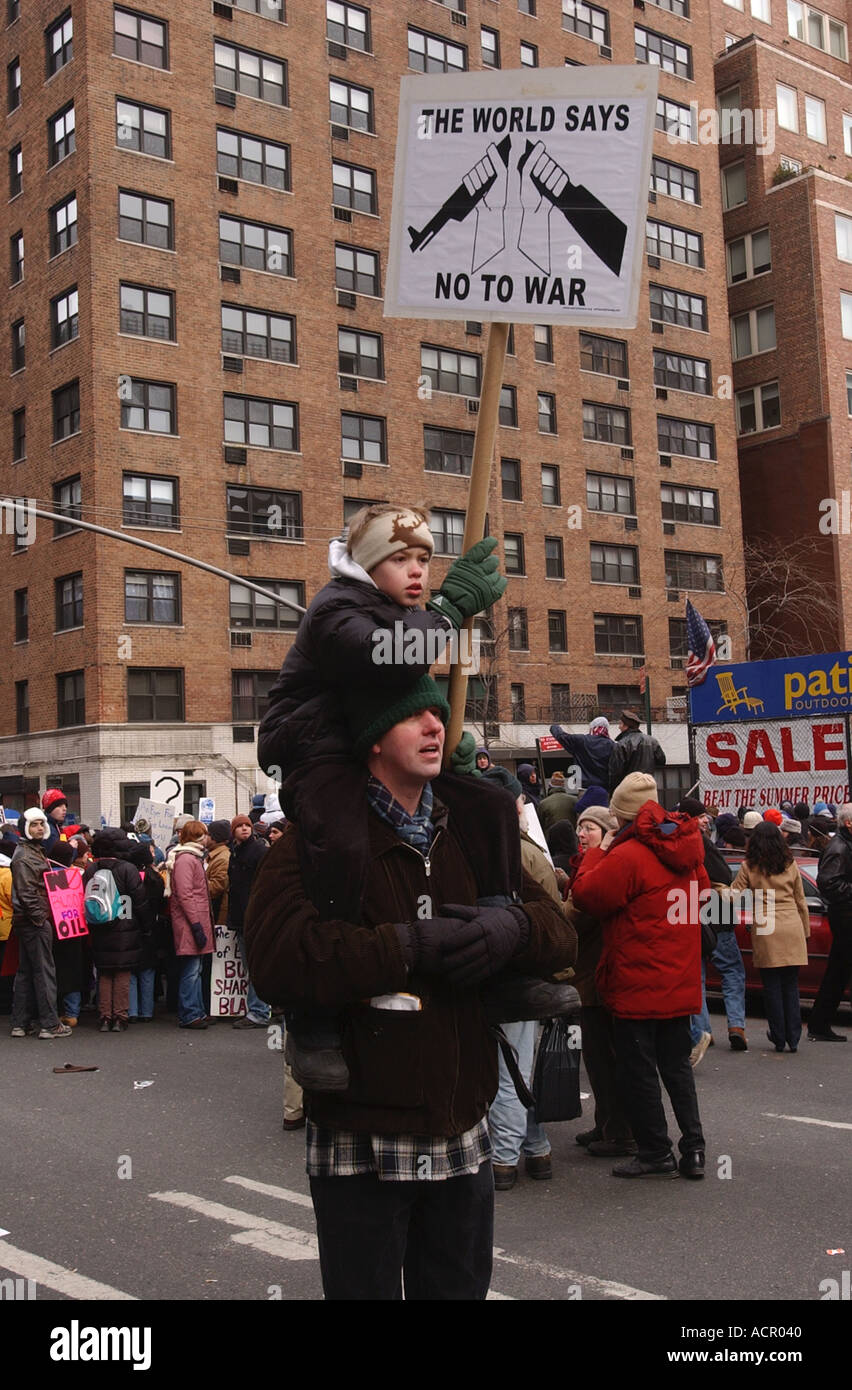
x=160, y=817
x=206, y=810
x=522, y=196
x=532, y=825
x=228, y=979
x=167, y=786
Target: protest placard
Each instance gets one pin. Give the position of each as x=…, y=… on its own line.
x=65, y=900
x=161, y=819
x=228, y=978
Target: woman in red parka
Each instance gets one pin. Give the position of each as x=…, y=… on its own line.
x=192, y=922
x=644, y=884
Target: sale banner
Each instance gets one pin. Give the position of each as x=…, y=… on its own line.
x=763, y=763
x=65, y=898
x=228, y=979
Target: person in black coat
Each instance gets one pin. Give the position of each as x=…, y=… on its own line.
x=834, y=879
x=117, y=945
x=141, y=1007
x=247, y=852
x=633, y=751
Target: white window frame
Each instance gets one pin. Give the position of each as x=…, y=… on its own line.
x=846, y=314
x=843, y=231
x=756, y=394
x=815, y=115
x=779, y=88
x=751, y=315
x=729, y=201
x=747, y=241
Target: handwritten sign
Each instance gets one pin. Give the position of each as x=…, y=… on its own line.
x=160, y=817
x=65, y=898
x=228, y=978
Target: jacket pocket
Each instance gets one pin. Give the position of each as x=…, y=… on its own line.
x=384, y=1052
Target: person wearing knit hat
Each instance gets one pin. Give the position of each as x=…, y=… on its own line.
x=600, y=816
x=55, y=804
x=370, y=714
x=751, y=819
x=241, y=820
x=630, y=795
x=483, y=759
x=218, y=846
x=592, y=796
x=557, y=805
x=773, y=815
x=791, y=829
x=35, y=996
x=590, y=753
x=502, y=777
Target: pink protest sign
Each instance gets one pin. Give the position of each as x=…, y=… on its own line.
x=65, y=896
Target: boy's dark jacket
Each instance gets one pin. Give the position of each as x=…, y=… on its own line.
x=433, y=1071
x=119, y=945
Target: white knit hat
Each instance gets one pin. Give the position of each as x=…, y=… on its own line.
x=389, y=533
x=751, y=819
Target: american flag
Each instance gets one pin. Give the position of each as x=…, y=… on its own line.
x=701, y=649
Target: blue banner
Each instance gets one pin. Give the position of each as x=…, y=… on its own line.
x=794, y=687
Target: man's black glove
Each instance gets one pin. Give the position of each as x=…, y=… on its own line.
x=499, y=933
x=429, y=943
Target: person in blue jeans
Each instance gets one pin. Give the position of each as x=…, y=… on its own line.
x=514, y=1130
x=246, y=854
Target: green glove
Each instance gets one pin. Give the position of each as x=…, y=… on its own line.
x=463, y=760
x=472, y=584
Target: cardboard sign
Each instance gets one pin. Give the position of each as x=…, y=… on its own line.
x=65, y=899
x=160, y=817
x=521, y=196
x=762, y=764
x=168, y=787
x=548, y=744
x=228, y=978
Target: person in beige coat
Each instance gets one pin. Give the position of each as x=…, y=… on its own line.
x=780, y=929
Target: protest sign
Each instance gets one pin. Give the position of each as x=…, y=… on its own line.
x=167, y=787
x=161, y=819
x=65, y=899
x=228, y=979
x=206, y=810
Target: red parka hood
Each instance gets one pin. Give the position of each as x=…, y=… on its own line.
x=674, y=838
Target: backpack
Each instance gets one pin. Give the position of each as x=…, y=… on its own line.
x=102, y=900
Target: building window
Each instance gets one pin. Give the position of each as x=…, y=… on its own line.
x=251, y=610
x=608, y=424
x=529, y=55
x=847, y=133
x=13, y=85
x=70, y=699
x=490, y=41
x=16, y=171
x=786, y=102
x=152, y=407
x=150, y=597
x=249, y=73
x=150, y=501
x=353, y=505
x=142, y=128
x=729, y=109
x=356, y=270
x=431, y=53
x=588, y=21
x=753, y=332
x=687, y=437
x=448, y=451
x=815, y=119
x=268, y=9
x=843, y=236
x=549, y=485
x=250, y=691
x=448, y=531
x=679, y=122
x=614, y=564
x=22, y=615
x=264, y=514
x=255, y=245
x=256, y=333
x=66, y=411
x=846, y=314
x=363, y=437
x=447, y=370
x=606, y=355
x=19, y=345
x=734, y=186
x=64, y=317
x=22, y=707
x=518, y=635
x=748, y=256
x=849, y=393
x=350, y=105
x=348, y=24
x=758, y=408
x=813, y=27
x=146, y=220
x=513, y=553
x=353, y=187
x=698, y=506
x=675, y=180
x=546, y=413
x=16, y=248
x=510, y=480
x=147, y=313
x=557, y=636
x=261, y=424
x=155, y=696
x=618, y=697
x=677, y=306
x=140, y=38
x=679, y=373
x=359, y=354
x=68, y=499
x=663, y=52
x=554, y=563
x=59, y=43
x=247, y=157
x=760, y=9
x=543, y=342
x=61, y=135
x=508, y=409
x=63, y=225
x=518, y=703
x=606, y=492
x=685, y=571
x=618, y=635
x=68, y=593
x=674, y=243
x=680, y=7
x=526, y=6
x=19, y=435
x=560, y=703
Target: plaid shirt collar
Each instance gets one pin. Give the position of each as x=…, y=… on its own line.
x=418, y=829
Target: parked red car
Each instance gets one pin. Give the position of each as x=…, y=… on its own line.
x=819, y=942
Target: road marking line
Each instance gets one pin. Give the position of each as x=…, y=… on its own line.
x=56, y=1277
x=609, y=1287
x=268, y=1189
x=807, y=1120
x=291, y=1243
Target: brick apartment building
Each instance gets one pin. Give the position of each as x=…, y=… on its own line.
x=197, y=223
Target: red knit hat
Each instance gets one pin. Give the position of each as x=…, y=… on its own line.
x=773, y=815
x=53, y=797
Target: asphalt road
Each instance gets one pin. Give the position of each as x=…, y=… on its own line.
x=187, y=1189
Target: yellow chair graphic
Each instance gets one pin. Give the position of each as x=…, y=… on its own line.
x=733, y=698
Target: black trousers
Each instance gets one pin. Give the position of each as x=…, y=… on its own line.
x=611, y=1122
x=781, y=1002
x=34, y=999
x=643, y=1048
x=439, y=1235
x=838, y=975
